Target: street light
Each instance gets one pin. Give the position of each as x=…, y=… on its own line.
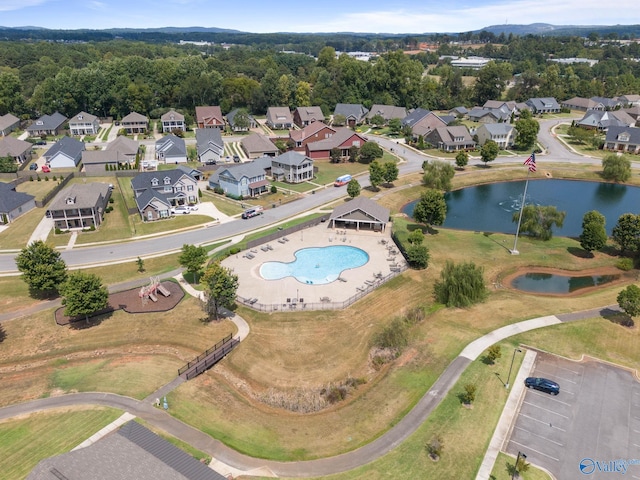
x=512, y=359
x=515, y=469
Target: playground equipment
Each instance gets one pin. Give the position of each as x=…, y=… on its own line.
x=149, y=291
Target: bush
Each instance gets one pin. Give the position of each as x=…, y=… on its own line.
x=435, y=447
x=274, y=189
x=394, y=335
x=625, y=264
x=469, y=394
x=111, y=200
x=218, y=190
x=235, y=250
x=460, y=285
x=494, y=353
x=334, y=394
x=31, y=178
x=46, y=179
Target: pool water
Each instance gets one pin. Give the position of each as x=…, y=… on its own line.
x=552, y=283
x=316, y=265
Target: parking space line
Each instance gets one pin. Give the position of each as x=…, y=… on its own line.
x=540, y=421
x=534, y=450
x=545, y=409
x=569, y=370
x=540, y=436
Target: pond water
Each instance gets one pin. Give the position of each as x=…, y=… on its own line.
x=489, y=208
x=560, y=284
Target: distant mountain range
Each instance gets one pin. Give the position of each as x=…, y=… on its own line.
x=546, y=29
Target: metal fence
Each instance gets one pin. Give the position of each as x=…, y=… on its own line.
x=321, y=304
x=204, y=355
x=212, y=359
x=287, y=231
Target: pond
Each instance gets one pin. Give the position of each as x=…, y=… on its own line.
x=489, y=208
x=541, y=282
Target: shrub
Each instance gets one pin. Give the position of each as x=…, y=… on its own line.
x=494, y=353
x=219, y=190
x=274, y=189
x=394, y=335
x=31, y=178
x=38, y=178
x=46, y=179
x=460, y=285
x=334, y=394
x=111, y=200
x=435, y=447
x=235, y=250
x=625, y=264
x=414, y=316
x=469, y=394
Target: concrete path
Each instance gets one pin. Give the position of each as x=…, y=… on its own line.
x=41, y=232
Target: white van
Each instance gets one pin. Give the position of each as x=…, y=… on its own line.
x=252, y=212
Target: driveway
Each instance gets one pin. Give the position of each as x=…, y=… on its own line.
x=592, y=425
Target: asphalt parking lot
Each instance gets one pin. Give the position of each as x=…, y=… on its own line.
x=590, y=430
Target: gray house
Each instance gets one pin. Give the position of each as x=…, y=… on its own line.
x=602, y=120
x=451, y=139
x=47, y=125
x=543, y=105
x=8, y=123
x=209, y=145
x=355, y=113
x=231, y=120
x=80, y=206
x=171, y=121
x=256, y=145
x=135, y=123
x=243, y=180
x=156, y=192
x=122, y=151
x=503, y=134
x=13, y=204
x=171, y=149
x=279, y=118
x=292, y=167
x=623, y=139
x=19, y=150
x=84, y=124
x=65, y=153
x=387, y=112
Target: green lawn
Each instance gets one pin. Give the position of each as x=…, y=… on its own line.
x=328, y=172
x=38, y=189
x=26, y=441
x=20, y=230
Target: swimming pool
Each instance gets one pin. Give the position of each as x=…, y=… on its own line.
x=317, y=265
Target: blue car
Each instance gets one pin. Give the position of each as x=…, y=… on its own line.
x=33, y=166
x=543, y=384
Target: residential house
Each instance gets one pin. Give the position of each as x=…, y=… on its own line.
x=451, y=139
x=507, y=107
x=171, y=149
x=633, y=111
x=8, y=123
x=629, y=100
x=122, y=151
x=354, y=113
x=459, y=112
x=135, y=123
x=292, y=167
x=84, y=124
x=156, y=192
x=279, y=118
x=171, y=121
x=80, y=205
x=543, y=105
x=303, y=116
x=65, y=153
x=256, y=145
x=209, y=117
x=311, y=133
x=133, y=452
x=19, y=150
x=244, y=179
x=623, y=139
x=13, y=204
x=231, y=120
x=422, y=122
x=503, y=134
x=209, y=145
x=343, y=139
x=609, y=103
x=488, y=115
x=602, y=120
x=47, y=125
x=387, y=112
x=583, y=104
x=193, y=172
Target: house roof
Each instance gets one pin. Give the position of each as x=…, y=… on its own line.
x=505, y=106
x=630, y=98
x=279, y=115
x=171, y=116
x=132, y=452
x=135, y=117
x=12, y=147
x=614, y=132
x=459, y=110
x=309, y=130
x=124, y=145
x=85, y=195
x=253, y=169
x=292, y=158
x=606, y=119
x=387, y=112
x=543, y=103
x=364, y=205
x=149, y=195
x=206, y=113
x=7, y=121
x=480, y=112
x=308, y=114
x=497, y=128
x=415, y=116
x=189, y=171
x=256, y=143
x=207, y=138
x=448, y=135
x=342, y=135
x=634, y=111
x=68, y=146
x=607, y=102
x=171, y=145
x=83, y=117
x=351, y=110
x=48, y=122
x=93, y=157
x=232, y=114
x=10, y=199
x=581, y=102
x=143, y=179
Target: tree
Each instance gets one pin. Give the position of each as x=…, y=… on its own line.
x=494, y=353
x=580, y=135
x=335, y=155
x=435, y=447
x=629, y=300
x=377, y=120
x=526, y=131
x=353, y=188
x=390, y=172
x=537, y=220
x=376, y=174
x=221, y=286
x=438, y=175
x=616, y=168
x=489, y=151
x=460, y=285
x=339, y=120
x=140, y=264
x=370, y=151
x=353, y=153
x=192, y=258
x=626, y=232
x=416, y=237
x=431, y=209
x=83, y=294
x=42, y=268
x=469, y=395
x=395, y=125
x=241, y=119
x=418, y=256
x=462, y=159
x=8, y=165
x=594, y=234
x=491, y=80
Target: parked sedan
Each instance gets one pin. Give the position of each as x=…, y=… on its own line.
x=543, y=384
x=181, y=209
x=45, y=169
x=33, y=166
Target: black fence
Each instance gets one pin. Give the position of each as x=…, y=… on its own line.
x=216, y=352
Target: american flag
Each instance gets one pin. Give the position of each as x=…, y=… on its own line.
x=531, y=162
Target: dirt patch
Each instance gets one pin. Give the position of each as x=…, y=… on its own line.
x=624, y=277
x=131, y=302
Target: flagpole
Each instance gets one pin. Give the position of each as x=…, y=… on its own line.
x=515, y=251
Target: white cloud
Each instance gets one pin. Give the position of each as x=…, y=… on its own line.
x=10, y=5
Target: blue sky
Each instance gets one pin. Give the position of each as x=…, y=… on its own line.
x=260, y=16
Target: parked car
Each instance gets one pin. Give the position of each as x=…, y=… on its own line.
x=180, y=209
x=210, y=162
x=543, y=384
x=236, y=158
x=33, y=166
x=252, y=212
x=40, y=142
x=45, y=169
x=193, y=208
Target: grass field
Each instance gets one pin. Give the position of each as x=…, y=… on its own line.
x=26, y=441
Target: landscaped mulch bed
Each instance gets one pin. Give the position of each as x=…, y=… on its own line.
x=130, y=302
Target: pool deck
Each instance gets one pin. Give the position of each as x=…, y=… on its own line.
x=289, y=294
